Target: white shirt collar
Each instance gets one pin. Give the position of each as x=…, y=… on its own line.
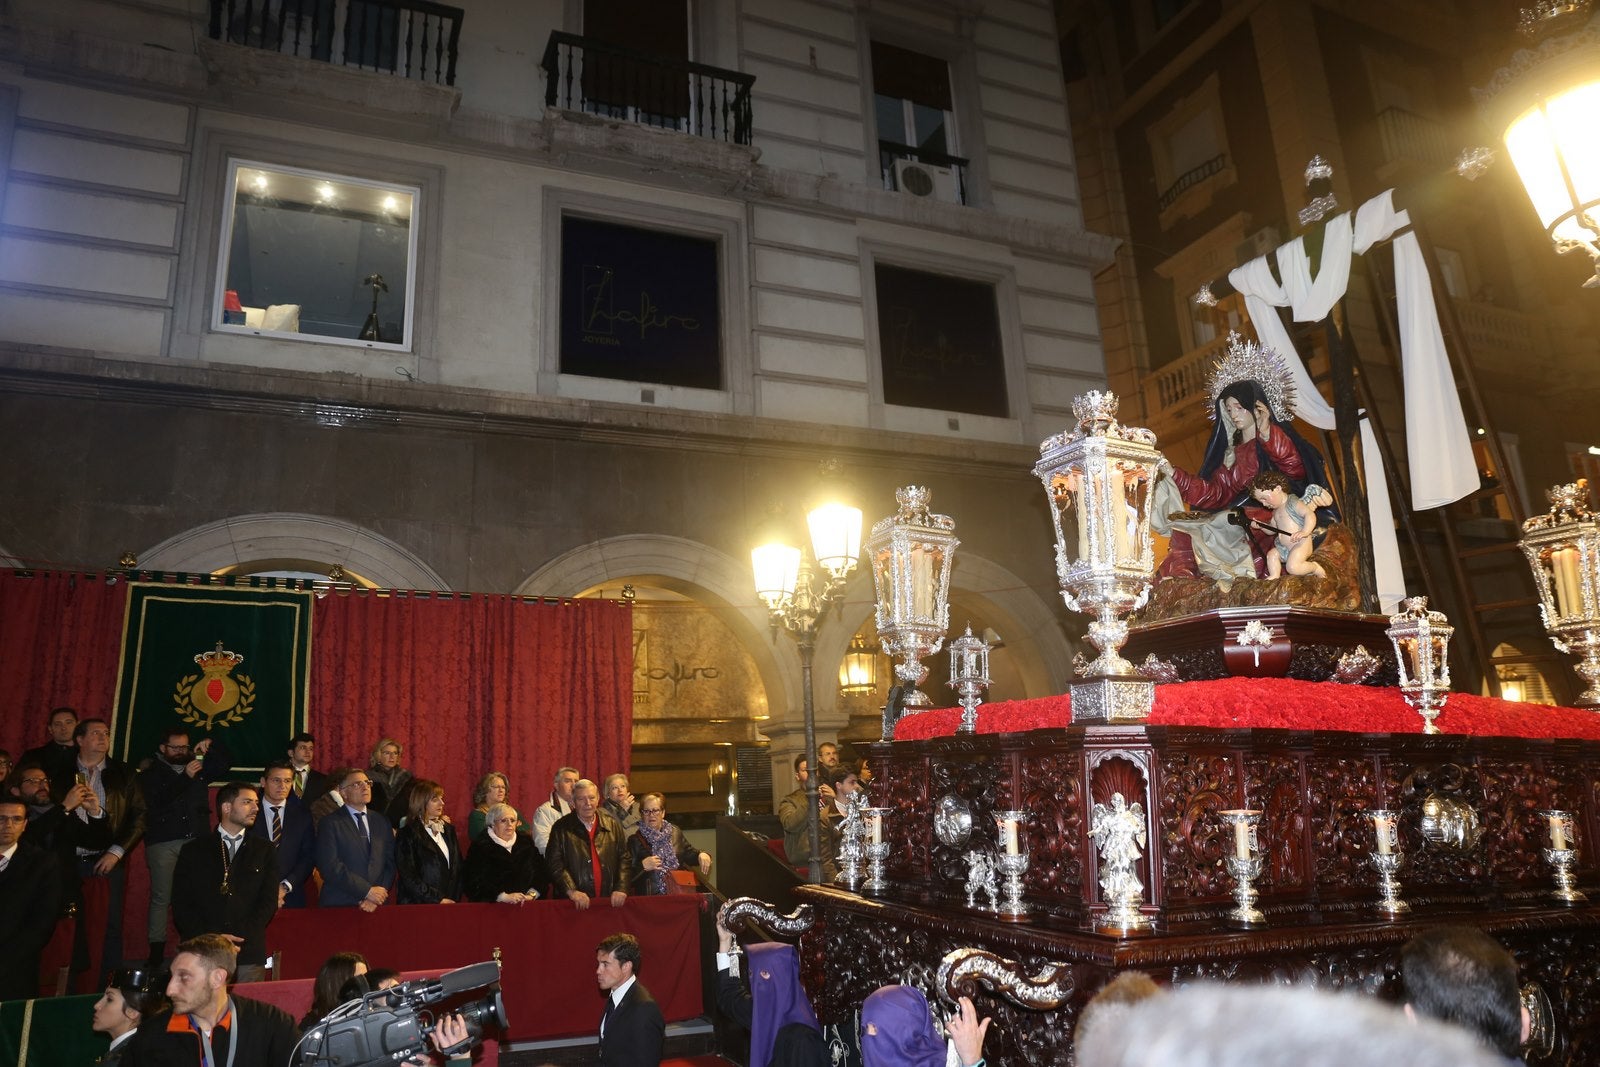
x=9, y=852
x=622, y=990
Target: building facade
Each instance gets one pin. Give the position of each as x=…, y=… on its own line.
x=551, y=297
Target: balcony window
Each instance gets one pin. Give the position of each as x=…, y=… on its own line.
x=313, y=255
x=915, y=113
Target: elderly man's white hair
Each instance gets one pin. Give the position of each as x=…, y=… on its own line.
x=1275, y=1026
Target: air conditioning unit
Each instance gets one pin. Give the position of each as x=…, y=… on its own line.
x=915, y=178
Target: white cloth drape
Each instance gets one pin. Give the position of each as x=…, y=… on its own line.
x=1442, y=465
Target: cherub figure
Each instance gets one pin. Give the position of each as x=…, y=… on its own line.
x=1294, y=522
x=1118, y=831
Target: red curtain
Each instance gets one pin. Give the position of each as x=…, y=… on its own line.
x=473, y=684
x=60, y=639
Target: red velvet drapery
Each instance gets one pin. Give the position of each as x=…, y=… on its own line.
x=60, y=637
x=469, y=685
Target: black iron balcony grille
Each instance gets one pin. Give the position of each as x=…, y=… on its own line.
x=586, y=75
x=411, y=38
x=1191, y=178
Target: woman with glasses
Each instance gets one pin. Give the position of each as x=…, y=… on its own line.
x=660, y=848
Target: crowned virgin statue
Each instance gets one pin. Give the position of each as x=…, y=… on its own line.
x=1237, y=527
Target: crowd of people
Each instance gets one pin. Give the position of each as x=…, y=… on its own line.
x=369, y=837
x=224, y=863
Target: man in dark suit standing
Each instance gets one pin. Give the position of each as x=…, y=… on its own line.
x=227, y=882
x=631, y=1027
x=59, y=755
x=30, y=902
x=287, y=824
x=309, y=784
x=355, y=849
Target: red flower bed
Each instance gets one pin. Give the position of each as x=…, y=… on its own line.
x=1283, y=704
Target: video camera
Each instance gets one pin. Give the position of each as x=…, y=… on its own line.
x=389, y=1026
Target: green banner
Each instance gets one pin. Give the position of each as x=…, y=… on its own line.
x=219, y=661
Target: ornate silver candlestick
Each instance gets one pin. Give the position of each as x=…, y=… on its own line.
x=1118, y=831
x=1244, y=865
x=1421, y=641
x=1098, y=479
x=1388, y=860
x=877, y=849
x=1563, y=548
x=852, y=847
x=969, y=676
x=1562, y=854
x=910, y=553
x=1011, y=860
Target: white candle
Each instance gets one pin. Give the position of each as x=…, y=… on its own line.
x=921, y=582
x=1011, y=837
x=1382, y=824
x=1568, y=582
x=1558, y=833
x=875, y=827
x=1241, y=839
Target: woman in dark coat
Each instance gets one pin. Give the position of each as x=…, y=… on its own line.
x=425, y=851
x=504, y=863
x=660, y=848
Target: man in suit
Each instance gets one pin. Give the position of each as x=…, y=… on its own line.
x=205, y=1024
x=287, y=824
x=309, y=784
x=588, y=852
x=227, y=882
x=30, y=902
x=118, y=790
x=55, y=826
x=355, y=849
x=631, y=1027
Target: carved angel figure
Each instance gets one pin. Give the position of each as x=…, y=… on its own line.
x=1118, y=830
x=981, y=877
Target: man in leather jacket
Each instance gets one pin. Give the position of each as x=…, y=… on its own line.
x=588, y=852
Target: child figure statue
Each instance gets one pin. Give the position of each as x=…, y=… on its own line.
x=1294, y=522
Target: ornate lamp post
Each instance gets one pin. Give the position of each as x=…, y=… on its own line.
x=1545, y=99
x=911, y=552
x=1563, y=548
x=1098, y=478
x=1421, y=641
x=796, y=595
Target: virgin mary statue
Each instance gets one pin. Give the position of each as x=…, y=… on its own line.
x=1206, y=515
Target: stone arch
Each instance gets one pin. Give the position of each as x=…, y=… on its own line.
x=695, y=570
x=243, y=539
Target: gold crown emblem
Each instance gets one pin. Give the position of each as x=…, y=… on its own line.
x=218, y=660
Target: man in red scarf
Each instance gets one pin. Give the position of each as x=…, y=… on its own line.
x=588, y=852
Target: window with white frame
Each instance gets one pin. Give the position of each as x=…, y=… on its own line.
x=914, y=109
x=318, y=256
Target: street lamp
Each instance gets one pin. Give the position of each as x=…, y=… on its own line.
x=858, y=671
x=1545, y=99
x=797, y=592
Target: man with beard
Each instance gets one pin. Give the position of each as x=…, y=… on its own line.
x=206, y=1025
x=227, y=882
x=176, y=812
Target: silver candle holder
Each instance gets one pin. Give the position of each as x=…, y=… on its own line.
x=877, y=849
x=1011, y=861
x=1388, y=860
x=969, y=676
x=1118, y=831
x=1562, y=855
x=1244, y=865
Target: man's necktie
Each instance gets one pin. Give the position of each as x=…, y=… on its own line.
x=299, y=783
x=233, y=845
x=605, y=1016
x=361, y=824
x=277, y=825
x=5, y=861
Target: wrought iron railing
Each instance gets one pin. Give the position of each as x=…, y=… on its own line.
x=672, y=94
x=1191, y=178
x=890, y=151
x=415, y=39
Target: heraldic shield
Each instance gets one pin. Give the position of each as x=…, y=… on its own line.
x=213, y=697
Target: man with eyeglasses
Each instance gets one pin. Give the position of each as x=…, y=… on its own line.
x=30, y=894
x=355, y=848
x=53, y=826
x=176, y=812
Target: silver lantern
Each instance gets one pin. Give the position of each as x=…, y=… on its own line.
x=1098, y=479
x=911, y=552
x=1421, y=641
x=1563, y=548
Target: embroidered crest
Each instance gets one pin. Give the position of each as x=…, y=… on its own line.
x=214, y=697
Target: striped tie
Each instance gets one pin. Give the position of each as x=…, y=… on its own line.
x=277, y=825
x=299, y=783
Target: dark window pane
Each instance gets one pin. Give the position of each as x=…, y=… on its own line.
x=939, y=338
x=911, y=76
x=640, y=305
